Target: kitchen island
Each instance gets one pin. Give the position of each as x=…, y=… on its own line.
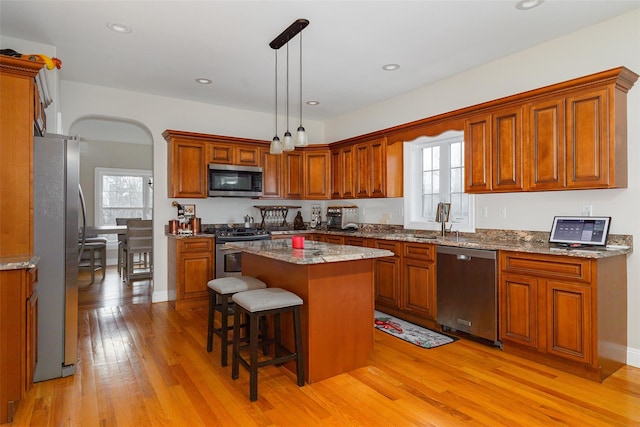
x=336, y=283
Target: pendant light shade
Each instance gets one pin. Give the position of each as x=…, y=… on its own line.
x=301, y=135
x=289, y=142
x=276, y=146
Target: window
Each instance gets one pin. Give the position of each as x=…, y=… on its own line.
x=433, y=173
x=122, y=193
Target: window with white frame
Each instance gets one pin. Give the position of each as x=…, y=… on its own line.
x=122, y=193
x=433, y=173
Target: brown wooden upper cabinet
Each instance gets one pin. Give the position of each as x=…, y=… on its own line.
x=316, y=170
x=342, y=172
x=187, y=167
x=493, y=152
x=370, y=168
x=567, y=136
x=293, y=174
x=271, y=174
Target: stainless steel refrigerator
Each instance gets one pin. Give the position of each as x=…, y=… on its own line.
x=57, y=208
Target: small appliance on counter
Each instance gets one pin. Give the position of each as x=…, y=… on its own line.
x=342, y=217
x=316, y=220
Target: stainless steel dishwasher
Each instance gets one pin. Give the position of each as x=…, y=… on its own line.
x=467, y=291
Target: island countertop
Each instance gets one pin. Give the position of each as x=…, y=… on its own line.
x=313, y=252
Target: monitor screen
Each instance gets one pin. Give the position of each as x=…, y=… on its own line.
x=580, y=230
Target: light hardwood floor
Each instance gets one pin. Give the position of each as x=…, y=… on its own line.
x=144, y=364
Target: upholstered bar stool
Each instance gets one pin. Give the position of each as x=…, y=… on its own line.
x=256, y=305
x=220, y=292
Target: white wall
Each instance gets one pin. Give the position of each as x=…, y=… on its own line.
x=608, y=45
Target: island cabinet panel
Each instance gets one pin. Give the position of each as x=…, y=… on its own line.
x=567, y=312
x=337, y=310
x=191, y=266
x=387, y=274
x=317, y=181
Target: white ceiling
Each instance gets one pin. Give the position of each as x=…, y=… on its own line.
x=345, y=44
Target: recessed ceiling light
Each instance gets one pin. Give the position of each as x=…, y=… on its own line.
x=119, y=27
x=313, y=102
x=528, y=4
x=203, y=81
x=390, y=67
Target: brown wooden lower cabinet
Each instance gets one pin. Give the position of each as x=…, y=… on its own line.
x=405, y=284
x=566, y=312
x=191, y=267
x=18, y=337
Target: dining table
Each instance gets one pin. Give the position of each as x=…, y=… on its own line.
x=106, y=229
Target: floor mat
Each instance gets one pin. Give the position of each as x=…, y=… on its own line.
x=422, y=337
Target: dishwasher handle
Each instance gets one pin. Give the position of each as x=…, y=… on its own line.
x=461, y=257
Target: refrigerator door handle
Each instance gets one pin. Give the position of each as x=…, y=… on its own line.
x=84, y=222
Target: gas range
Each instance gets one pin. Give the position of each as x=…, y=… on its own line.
x=235, y=234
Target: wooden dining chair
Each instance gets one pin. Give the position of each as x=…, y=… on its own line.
x=122, y=242
x=139, y=242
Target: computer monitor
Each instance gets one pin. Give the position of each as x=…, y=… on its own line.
x=580, y=230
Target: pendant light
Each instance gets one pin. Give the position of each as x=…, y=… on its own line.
x=287, y=142
x=276, y=146
x=301, y=135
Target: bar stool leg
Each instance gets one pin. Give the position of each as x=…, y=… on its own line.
x=212, y=301
x=297, y=330
x=253, y=349
x=224, y=331
x=235, y=358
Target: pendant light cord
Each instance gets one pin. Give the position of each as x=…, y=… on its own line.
x=287, y=87
x=300, y=79
x=276, y=85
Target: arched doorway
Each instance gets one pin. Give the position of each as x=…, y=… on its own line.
x=116, y=174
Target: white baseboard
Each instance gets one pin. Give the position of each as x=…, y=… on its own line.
x=633, y=357
x=162, y=296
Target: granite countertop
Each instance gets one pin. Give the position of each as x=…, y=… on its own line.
x=191, y=236
x=508, y=240
x=18, y=262
x=313, y=252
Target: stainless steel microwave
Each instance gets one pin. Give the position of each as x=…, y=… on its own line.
x=234, y=181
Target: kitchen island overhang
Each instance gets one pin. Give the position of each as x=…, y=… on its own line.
x=336, y=284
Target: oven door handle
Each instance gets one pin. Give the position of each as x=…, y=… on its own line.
x=226, y=248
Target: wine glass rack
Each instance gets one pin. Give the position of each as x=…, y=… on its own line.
x=275, y=217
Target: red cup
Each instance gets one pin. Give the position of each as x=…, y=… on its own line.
x=297, y=242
